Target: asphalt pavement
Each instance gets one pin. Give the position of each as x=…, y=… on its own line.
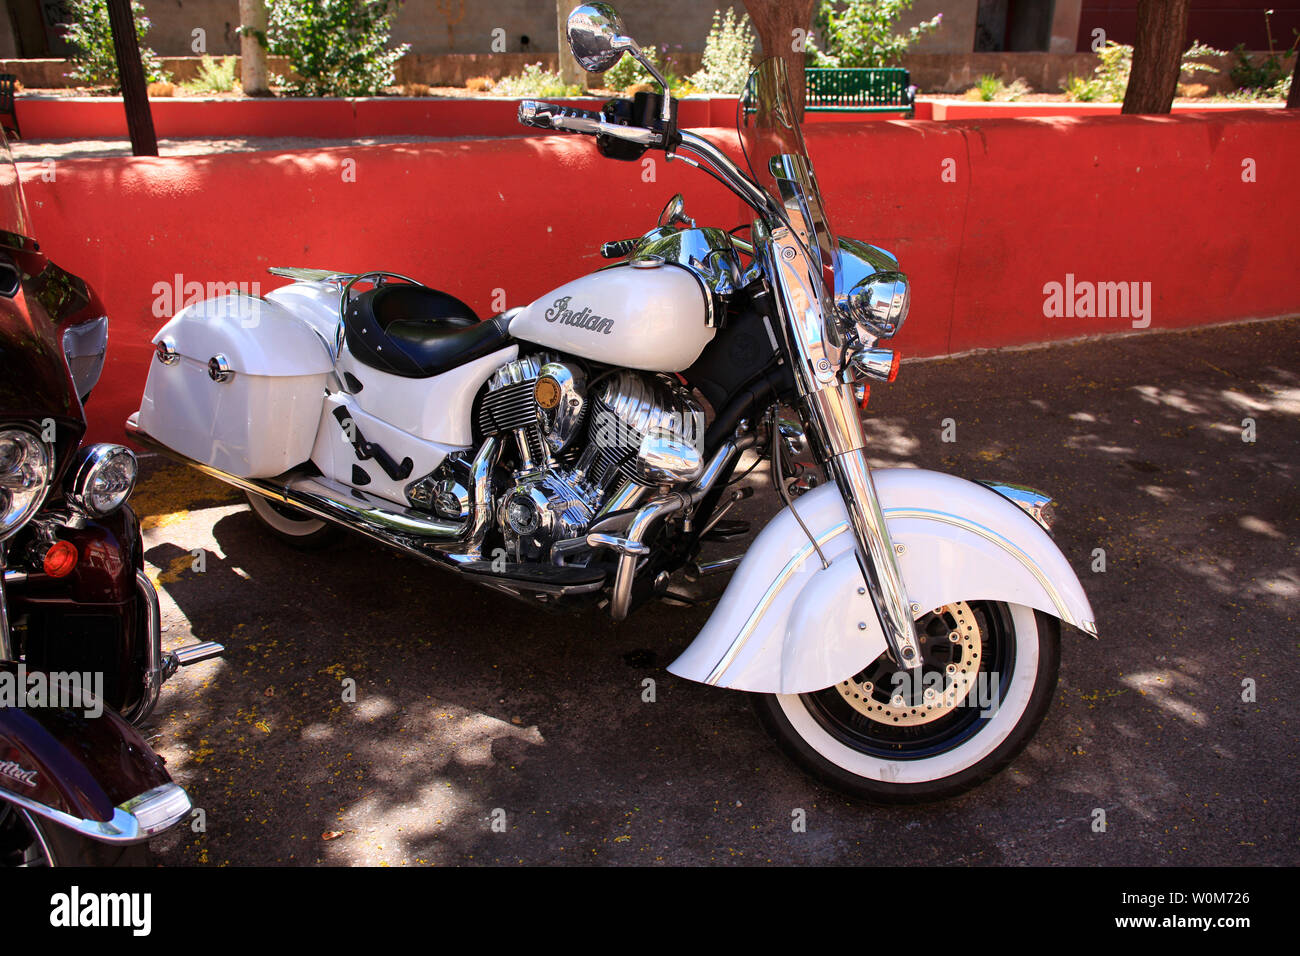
x=486, y=732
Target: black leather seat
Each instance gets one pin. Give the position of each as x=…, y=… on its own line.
x=416, y=332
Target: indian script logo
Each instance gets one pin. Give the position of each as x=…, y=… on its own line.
x=584, y=319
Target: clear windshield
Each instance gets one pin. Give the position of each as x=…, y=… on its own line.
x=14, y=220
x=768, y=126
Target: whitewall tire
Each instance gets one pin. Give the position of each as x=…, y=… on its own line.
x=989, y=676
x=293, y=527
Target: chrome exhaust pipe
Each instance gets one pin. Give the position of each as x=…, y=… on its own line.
x=356, y=509
x=433, y=539
x=480, y=518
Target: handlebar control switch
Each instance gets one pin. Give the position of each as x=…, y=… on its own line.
x=619, y=112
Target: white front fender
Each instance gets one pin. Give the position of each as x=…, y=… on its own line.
x=786, y=625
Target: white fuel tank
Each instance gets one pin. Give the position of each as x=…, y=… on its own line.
x=653, y=319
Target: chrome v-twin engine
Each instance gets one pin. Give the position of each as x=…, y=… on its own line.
x=581, y=448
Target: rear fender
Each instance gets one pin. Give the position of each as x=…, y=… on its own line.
x=94, y=775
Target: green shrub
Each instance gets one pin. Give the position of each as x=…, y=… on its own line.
x=1109, y=80
x=1269, y=74
x=94, y=62
x=1276, y=93
x=337, y=47
x=1199, y=49
x=1282, y=90
x=1077, y=88
x=627, y=73
x=861, y=33
x=214, y=76
x=535, y=81
x=989, y=87
x=728, y=54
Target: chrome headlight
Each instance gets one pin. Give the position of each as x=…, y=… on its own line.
x=84, y=346
x=24, y=478
x=869, y=289
x=102, y=480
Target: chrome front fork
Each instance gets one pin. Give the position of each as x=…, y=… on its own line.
x=836, y=411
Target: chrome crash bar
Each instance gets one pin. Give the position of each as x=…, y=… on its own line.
x=160, y=666
x=631, y=545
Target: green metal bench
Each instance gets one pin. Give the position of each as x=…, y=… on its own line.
x=8, y=117
x=860, y=90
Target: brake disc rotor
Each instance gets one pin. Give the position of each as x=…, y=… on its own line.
x=952, y=645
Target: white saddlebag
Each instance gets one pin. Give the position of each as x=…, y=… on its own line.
x=237, y=383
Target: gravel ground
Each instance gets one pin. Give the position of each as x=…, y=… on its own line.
x=472, y=710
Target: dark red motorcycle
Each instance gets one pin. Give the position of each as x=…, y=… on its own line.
x=81, y=657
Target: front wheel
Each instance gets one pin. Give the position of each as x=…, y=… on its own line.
x=987, y=678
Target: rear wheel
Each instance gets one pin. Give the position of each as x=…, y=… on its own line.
x=30, y=840
x=987, y=678
x=295, y=528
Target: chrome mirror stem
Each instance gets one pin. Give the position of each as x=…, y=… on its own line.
x=634, y=48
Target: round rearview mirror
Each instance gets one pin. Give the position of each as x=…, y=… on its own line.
x=592, y=28
x=675, y=214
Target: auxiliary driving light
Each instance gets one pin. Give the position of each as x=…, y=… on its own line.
x=880, y=364
x=103, y=479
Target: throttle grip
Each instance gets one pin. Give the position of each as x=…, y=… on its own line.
x=618, y=248
x=566, y=119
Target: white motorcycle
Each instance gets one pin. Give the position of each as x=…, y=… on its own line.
x=899, y=630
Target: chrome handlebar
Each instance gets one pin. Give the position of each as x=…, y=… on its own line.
x=568, y=119
x=749, y=192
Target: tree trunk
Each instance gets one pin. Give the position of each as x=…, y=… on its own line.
x=1293, y=99
x=570, y=71
x=130, y=74
x=782, y=27
x=252, y=51
x=1157, y=56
